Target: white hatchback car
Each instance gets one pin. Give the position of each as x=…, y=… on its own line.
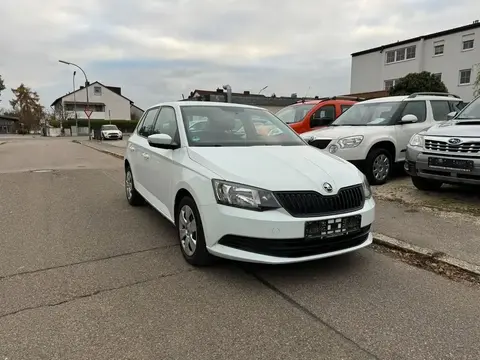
x=238, y=183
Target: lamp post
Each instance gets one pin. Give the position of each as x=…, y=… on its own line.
x=75, y=102
x=262, y=89
x=86, y=89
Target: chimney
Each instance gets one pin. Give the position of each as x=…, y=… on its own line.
x=246, y=93
x=219, y=90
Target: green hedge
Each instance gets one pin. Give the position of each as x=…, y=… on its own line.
x=95, y=124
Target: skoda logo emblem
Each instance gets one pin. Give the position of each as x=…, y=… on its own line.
x=454, y=141
x=327, y=187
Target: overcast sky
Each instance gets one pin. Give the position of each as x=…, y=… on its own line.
x=157, y=50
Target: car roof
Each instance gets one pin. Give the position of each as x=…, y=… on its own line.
x=407, y=98
x=205, y=103
x=314, y=102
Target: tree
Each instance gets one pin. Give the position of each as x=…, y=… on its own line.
x=2, y=85
x=62, y=115
x=26, y=104
x=418, y=82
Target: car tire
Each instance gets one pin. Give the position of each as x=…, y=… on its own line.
x=132, y=195
x=190, y=233
x=426, y=184
x=378, y=166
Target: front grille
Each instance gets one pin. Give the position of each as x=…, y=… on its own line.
x=295, y=248
x=311, y=203
x=320, y=143
x=466, y=147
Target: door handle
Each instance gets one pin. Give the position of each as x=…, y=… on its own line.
x=131, y=148
x=146, y=156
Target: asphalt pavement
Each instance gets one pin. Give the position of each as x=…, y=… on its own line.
x=85, y=276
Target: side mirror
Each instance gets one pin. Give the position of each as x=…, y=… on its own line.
x=451, y=115
x=409, y=119
x=162, y=141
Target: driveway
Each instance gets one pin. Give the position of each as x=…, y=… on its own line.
x=83, y=275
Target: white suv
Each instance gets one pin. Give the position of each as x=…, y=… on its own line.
x=240, y=184
x=374, y=134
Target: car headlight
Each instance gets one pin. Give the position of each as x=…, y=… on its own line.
x=243, y=196
x=367, y=190
x=350, y=141
x=416, y=140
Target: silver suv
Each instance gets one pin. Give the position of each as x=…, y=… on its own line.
x=447, y=152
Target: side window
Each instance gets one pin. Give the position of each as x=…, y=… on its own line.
x=417, y=108
x=457, y=105
x=325, y=112
x=345, y=108
x=146, y=128
x=440, y=109
x=167, y=123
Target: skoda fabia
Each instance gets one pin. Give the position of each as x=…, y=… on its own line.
x=240, y=184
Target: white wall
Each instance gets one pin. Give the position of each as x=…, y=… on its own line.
x=370, y=71
x=119, y=106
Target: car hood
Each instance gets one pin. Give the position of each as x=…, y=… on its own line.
x=338, y=132
x=278, y=167
x=462, y=128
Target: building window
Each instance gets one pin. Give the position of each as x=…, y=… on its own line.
x=465, y=76
x=411, y=50
x=467, y=44
x=390, y=84
x=390, y=57
x=405, y=53
x=438, y=49
x=98, y=108
x=97, y=90
x=438, y=76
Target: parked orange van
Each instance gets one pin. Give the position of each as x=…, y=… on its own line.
x=307, y=115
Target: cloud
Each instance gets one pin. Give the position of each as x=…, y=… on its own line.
x=160, y=49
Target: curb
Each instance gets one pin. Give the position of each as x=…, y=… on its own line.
x=108, y=152
x=390, y=242
x=378, y=239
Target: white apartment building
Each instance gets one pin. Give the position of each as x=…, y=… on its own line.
x=453, y=55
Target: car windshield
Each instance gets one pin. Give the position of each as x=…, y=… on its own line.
x=235, y=126
x=294, y=113
x=471, y=111
x=368, y=114
x=109, y=127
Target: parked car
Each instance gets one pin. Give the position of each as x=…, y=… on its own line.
x=448, y=152
x=374, y=133
x=235, y=190
x=308, y=115
x=110, y=132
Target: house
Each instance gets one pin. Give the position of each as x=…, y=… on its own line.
x=271, y=103
x=8, y=124
x=450, y=54
x=105, y=102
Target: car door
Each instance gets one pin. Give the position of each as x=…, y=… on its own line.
x=403, y=132
x=161, y=168
x=141, y=149
x=323, y=116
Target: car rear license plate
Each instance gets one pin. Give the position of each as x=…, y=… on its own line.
x=450, y=164
x=332, y=227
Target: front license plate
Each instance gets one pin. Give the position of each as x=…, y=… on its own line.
x=450, y=164
x=332, y=227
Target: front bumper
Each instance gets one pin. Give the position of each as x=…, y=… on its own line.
x=416, y=164
x=275, y=237
x=112, y=136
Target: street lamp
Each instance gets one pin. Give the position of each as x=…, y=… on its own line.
x=75, y=103
x=86, y=89
x=262, y=89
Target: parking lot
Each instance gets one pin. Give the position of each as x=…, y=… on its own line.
x=83, y=275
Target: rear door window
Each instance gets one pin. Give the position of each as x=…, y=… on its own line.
x=440, y=109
